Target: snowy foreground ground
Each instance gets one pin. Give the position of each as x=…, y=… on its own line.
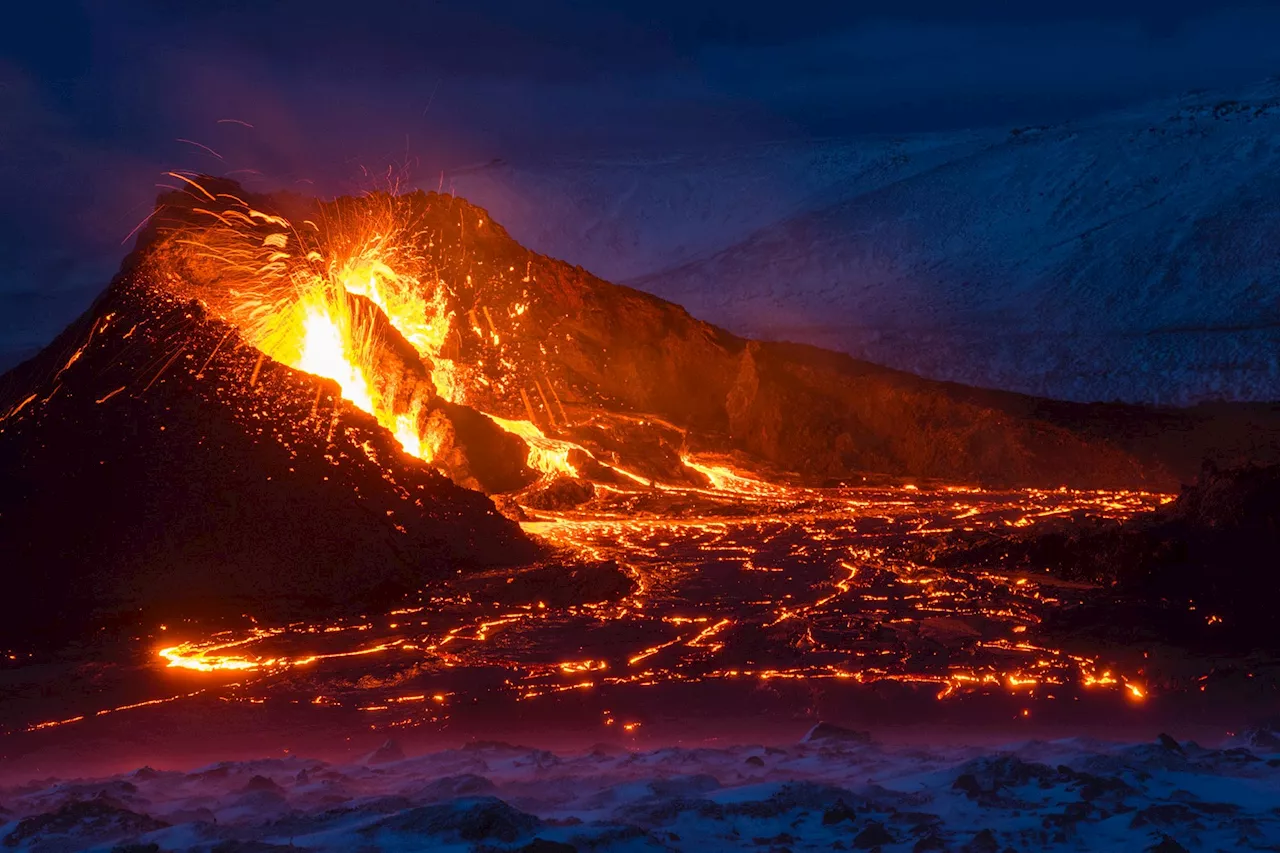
x=837, y=790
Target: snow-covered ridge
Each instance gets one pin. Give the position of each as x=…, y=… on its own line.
x=1135, y=255
x=837, y=790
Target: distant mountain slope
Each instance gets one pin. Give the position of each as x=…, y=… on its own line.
x=1132, y=256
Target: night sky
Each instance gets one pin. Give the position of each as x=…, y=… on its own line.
x=96, y=96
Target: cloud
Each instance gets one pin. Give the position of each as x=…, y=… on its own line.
x=898, y=75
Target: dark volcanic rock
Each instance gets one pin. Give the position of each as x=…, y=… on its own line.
x=830, y=733
x=554, y=584
x=838, y=813
x=560, y=493
x=541, y=845
x=1198, y=570
x=550, y=342
x=452, y=787
x=87, y=823
x=153, y=461
x=990, y=775
x=389, y=752
x=476, y=819
x=874, y=835
x=983, y=842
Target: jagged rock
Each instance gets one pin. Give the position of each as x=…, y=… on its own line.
x=197, y=492
x=389, y=752
x=874, y=835
x=262, y=783
x=560, y=493
x=684, y=786
x=983, y=842
x=470, y=819
x=1091, y=786
x=990, y=775
x=87, y=823
x=830, y=733
x=571, y=352
x=554, y=585
x=541, y=845
x=1199, y=555
x=791, y=796
x=1166, y=814
x=929, y=843
x=451, y=787
x=1262, y=738
x=232, y=477
x=838, y=813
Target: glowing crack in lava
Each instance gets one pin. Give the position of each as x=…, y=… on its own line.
x=548, y=455
x=781, y=594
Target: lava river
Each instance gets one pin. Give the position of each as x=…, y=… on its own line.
x=746, y=600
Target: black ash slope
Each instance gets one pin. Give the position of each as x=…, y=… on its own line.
x=151, y=459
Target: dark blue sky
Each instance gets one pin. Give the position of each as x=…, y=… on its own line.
x=94, y=96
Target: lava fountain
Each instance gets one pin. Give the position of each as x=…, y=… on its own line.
x=319, y=297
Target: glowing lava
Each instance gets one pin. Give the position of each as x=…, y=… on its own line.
x=312, y=301
x=548, y=455
x=325, y=352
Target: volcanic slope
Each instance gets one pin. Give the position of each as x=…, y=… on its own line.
x=636, y=381
x=151, y=459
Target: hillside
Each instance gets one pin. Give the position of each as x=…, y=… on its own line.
x=1131, y=256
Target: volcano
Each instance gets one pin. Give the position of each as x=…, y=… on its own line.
x=283, y=404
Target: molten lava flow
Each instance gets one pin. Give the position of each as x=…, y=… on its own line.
x=548, y=455
x=324, y=351
x=298, y=299
x=424, y=322
x=726, y=479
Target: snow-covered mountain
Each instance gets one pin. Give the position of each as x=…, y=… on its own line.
x=1134, y=256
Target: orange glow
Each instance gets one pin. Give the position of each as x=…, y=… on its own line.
x=548, y=455
x=297, y=298
x=218, y=655
x=324, y=351
x=726, y=479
